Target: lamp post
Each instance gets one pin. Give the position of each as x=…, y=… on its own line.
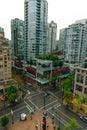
x=59, y=124
x=45, y=95
x=12, y=114
x=62, y=95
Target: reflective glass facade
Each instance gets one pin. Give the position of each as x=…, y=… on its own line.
x=35, y=16
x=17, y=38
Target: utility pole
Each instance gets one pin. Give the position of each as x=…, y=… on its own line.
x=12, y=114
x=45, y=95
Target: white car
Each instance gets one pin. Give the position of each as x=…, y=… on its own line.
x=84, y=118
x=28, y=92
x=23, y=117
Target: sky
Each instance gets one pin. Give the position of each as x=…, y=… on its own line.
x=63, y=12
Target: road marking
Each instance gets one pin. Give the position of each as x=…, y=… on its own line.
x=67, y=116
x=18, y=109
x=54, y=106
x=29, y=108
x=53, y=95
x=48, y=104
x=64, y=122
x=35, y=94
x=34, y=105
x=64, y=114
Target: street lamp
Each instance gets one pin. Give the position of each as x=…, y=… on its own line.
x=62, y=95
x=45, y=95
x=12, y=114
x=52, y=118
x=59, y=124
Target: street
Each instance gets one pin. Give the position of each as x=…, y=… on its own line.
x=50, y=104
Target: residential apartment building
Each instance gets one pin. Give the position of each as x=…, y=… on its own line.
x=80, y=83
x=5, y=64
x=61, y=40
x=1, y=32
x=5, y=58
x=51, y=37
x=35, y=18
x=74, y=40
x=17, y=38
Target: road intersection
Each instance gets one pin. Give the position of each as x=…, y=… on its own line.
x=54, y=109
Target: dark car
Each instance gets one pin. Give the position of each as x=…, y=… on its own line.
x=84, y=118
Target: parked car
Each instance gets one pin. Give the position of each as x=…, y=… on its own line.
x=28, y=92
x=23, y=117
x=84, y=118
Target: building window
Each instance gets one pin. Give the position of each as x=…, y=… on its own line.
x=80, y=78
x=0, y=66
x=0, y=58
x=5, y=62
x=1, y=75
x=85, y=91
x=79, y=88
x=5, y=65
x=78, y=70
x=0, y=51
x=82, y=71
x=5, y=58
x=86, y=80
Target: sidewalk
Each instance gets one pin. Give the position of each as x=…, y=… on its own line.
x=30, y=124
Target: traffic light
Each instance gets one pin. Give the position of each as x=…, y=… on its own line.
x=44, y=118
x=44, y=127
x=44, y=123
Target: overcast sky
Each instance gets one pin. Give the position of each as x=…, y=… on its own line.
x=63, y=12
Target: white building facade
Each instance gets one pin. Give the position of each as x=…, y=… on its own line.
x=35, y=38
x=75, y=42
x=80, y=82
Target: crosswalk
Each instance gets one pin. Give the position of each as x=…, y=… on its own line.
x=31, y=104
x=51, y=105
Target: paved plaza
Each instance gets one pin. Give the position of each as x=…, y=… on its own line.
x=30, y=124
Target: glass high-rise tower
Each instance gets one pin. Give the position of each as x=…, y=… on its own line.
x=35, y=20
x=52, y=37
x=17, y=38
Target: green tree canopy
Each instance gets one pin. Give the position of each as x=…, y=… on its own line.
x=78, y=102
x=73, y=125
x=60, y=64
x=68, y=96
x=67, y=83
x=48, y=57
x=12, y=93
x=4, y=121
x=53, y=80
x=54, y=58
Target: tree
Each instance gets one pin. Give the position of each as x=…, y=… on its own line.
x=78, y=102
x=60, y=64
x=54, y=79
x=67, y=83
x=12, y=93
x=85, y=110
x=48, y=57
x=4, y=121
x=68, y=96
x=72, y=125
